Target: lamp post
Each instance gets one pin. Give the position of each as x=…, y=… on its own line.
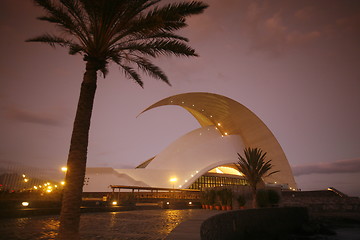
x=64, y=170
x=173, y=181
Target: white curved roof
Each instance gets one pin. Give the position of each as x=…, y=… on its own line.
x=195, y=153
x=231, y=127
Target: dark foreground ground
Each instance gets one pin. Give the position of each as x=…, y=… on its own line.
x=157, y=224
x=331, y=226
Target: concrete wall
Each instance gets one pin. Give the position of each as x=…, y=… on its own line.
x=254, y=223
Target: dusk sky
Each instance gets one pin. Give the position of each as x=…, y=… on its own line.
x=295, y=64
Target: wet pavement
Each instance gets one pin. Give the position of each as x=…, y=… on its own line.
x=128, y=225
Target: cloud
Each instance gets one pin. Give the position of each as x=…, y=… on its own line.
x=305, y=14
x=22, y=115
x=283, y=25
x=339, y=166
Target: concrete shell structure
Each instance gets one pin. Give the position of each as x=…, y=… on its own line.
x=226, y=128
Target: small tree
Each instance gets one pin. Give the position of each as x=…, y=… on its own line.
x=254, y=167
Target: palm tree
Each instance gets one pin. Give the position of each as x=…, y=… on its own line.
x=254, y=167
x=126, y=32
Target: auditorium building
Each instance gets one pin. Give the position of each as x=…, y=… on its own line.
x=204, y=157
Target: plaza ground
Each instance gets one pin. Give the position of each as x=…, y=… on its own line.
x=147, y=225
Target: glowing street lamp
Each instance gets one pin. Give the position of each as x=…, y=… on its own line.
x=173, y=180
x=64, y=169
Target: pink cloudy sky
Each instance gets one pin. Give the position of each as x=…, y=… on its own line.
x=295, y=64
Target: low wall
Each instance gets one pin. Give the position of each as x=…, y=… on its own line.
x=254, y=223
x=321, y=201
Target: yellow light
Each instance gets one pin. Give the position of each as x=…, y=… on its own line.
x=25, y=204
x=190, y=203
x=64, y=169
x=48, y=183
x=49, y=187
x=114, y=203
x=219, y=124
x=45, y=184
x=167, y=203
x=56, y=186
x=35, y=187
x=49, y=190
x=26, y=180
x=40, y=186
x=173, y=179
x=62, y=183
x=226, y=134
x=23, y=175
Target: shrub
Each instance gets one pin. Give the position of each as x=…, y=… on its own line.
x=273, y=196
x=262, y=198
x=241, y=200
x=267, y=198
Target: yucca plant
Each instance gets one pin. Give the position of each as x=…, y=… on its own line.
x=254, y=167
x=128, y=33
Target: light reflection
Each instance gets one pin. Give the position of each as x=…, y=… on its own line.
x=50, y=229
x=114, y=225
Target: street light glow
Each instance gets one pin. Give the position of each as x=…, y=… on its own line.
x=64, y=169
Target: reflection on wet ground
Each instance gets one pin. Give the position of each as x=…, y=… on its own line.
x=130, y=225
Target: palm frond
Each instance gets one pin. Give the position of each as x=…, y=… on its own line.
x=59, y=16
x=168, y=18
x=52, y=40
x=75, y=48
x=150, y=69
x=132, y=74
x=160, y=47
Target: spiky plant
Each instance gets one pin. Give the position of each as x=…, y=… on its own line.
x=254, y=167
x=129, y=33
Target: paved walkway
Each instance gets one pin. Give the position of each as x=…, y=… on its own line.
x=190, y=229
x=129, y=225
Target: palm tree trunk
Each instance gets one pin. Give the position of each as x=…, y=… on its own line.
x=76, y=164
x=254, y=197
